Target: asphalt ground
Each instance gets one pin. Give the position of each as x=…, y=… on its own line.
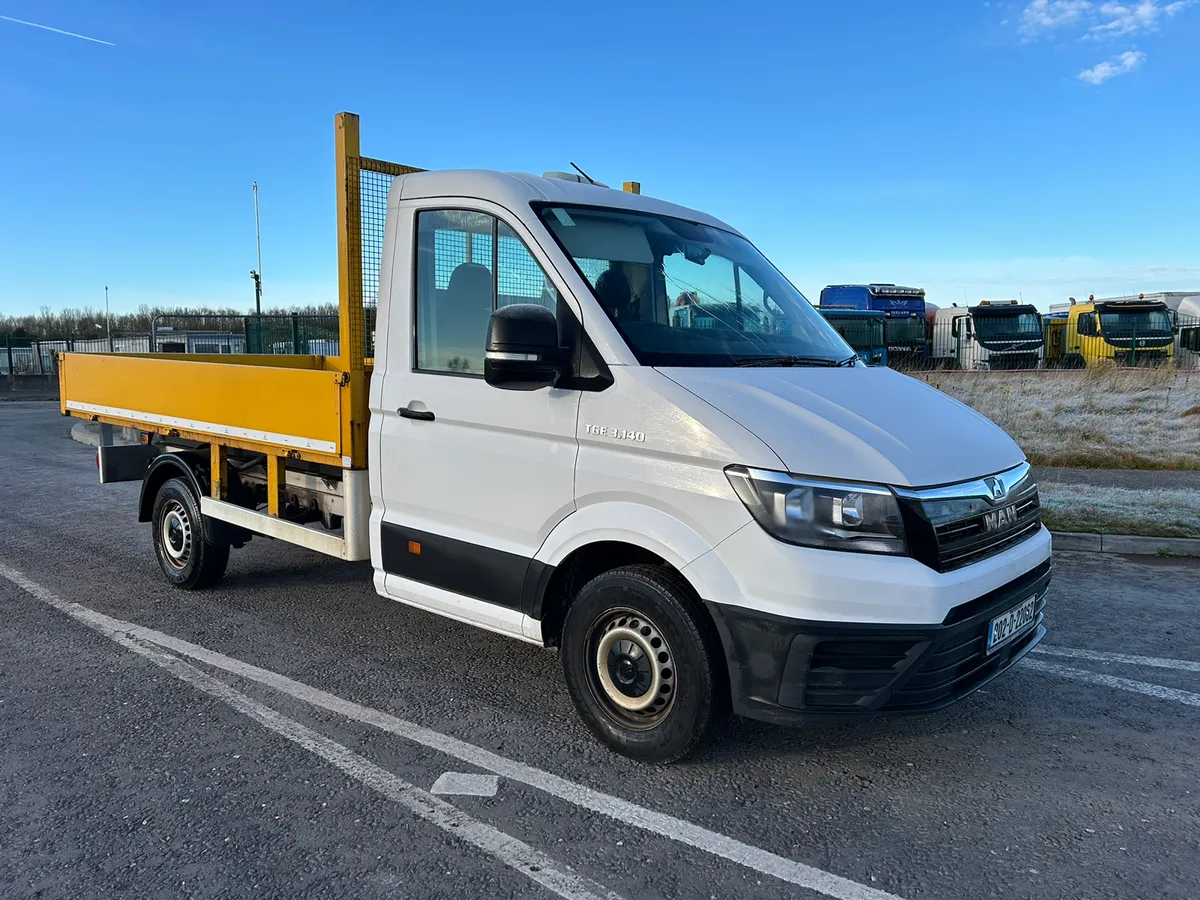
x=282, y=735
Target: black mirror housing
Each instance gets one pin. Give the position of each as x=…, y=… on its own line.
x=522, y=348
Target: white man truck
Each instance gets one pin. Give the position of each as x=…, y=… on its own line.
x=519, y=434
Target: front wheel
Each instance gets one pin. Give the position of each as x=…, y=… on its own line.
x=643, y=664
x=187, y=559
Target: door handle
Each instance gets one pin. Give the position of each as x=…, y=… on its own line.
x=421, y=415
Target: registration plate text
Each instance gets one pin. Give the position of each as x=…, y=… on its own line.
x=1011, y=624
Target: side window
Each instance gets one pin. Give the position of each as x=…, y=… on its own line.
x=519, y=278
x=455, y=289
x=468, y=264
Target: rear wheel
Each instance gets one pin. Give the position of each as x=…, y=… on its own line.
x=643, y=664
x=187, y=559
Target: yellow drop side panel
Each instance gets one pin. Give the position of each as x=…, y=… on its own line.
x=275, y=409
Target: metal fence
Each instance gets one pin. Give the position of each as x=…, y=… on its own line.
x=310, y=335
x=294, y=333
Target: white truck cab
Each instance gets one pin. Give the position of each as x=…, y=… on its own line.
x=707, y=511
x=992, y=335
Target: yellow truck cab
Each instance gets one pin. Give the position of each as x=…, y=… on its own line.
x=1126, y=331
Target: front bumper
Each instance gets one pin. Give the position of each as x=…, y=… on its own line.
x=788, y=670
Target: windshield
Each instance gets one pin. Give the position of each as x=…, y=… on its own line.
x=906, y=331
x=859, y=333
x=1021, y=327
x=683, y=294
x=1140, y=323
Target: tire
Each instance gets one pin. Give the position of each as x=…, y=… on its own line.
x=186, y=558
x=1074, y=361
x=665, y=689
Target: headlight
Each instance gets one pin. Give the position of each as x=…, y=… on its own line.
x=833, y=515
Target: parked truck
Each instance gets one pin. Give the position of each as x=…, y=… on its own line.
x=734, y=516
x=1186, y=309
x=863, y=330
x=904, y=323
x=1123, y=331
x=992, y=335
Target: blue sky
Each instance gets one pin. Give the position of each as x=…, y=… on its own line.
x=977, y=149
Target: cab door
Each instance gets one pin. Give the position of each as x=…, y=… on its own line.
x=472, y=477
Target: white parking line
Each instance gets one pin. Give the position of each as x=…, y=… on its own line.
x=1112, y=681
x=657, y=823
x=1182, y=665
x=510, y=851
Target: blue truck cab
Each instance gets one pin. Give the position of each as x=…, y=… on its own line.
x=863, y=330
x=905, y=330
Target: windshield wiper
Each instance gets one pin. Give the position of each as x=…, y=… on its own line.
x=788, y=361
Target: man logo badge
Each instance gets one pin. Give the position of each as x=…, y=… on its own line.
x=1005, y=516
x=998, y=519
x=996, y=486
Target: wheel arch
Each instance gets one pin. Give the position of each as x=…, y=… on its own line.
x=192, y=467
x=162, y=469
x=593, y=543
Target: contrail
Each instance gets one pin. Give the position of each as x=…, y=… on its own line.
x=82, y=37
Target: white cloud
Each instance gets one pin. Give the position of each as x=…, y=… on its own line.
x=1111, y=68
x=1049, y=15
x=1118, y=19
x=1097, y=20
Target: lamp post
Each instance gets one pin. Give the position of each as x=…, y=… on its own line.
x=257, y=273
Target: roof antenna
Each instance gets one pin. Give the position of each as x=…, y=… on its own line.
x=583, y=173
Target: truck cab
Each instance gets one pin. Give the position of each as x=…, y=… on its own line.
x=1187, y=320
x=594, y=421
x=863, y=330
x=1126, y=331
x=905, y=328
x=992, y=335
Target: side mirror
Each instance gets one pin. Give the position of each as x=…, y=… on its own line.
x=522, y=348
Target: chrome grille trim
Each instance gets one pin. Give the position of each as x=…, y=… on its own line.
x=1010, y=478
x=961, y=542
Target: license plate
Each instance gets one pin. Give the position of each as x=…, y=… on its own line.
x=1011, y=624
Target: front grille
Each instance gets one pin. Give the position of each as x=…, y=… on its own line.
x=1008, y=361
x=966, y=541
x=958, y=663
x=1141, y=358
x=944, y=543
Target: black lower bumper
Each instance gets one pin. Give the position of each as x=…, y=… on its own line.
x=790, y=670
